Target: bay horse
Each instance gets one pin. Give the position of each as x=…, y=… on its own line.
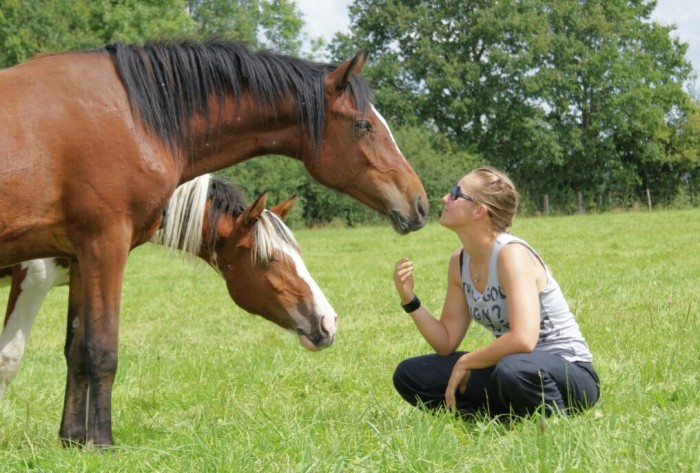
x=95, y=142
x=249, y=246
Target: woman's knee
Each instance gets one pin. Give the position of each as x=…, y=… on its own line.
x=400, y=375
x=404, y=381
x=406, y=373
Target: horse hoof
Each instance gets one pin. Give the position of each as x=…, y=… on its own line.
x=72, y=441
x=99, y=441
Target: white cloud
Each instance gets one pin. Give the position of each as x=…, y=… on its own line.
x=685, y=14
x=325, y=18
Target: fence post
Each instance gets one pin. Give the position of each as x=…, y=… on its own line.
x=580, y=202
x=546, y=204
x=649, y=199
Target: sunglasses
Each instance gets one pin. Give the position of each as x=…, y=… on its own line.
x=456, y=193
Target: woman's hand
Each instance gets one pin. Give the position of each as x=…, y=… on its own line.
x=458, y=379
x=403, y=279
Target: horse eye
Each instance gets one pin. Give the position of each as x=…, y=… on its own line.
x=362, y=127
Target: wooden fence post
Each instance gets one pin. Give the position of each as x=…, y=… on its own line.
x=649, y=199
x=546, y=204
x=580, y=202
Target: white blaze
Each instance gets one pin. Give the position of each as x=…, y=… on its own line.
x=321, y=304
x=386, y=125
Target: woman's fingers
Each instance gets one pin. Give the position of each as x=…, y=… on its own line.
x=403, y=270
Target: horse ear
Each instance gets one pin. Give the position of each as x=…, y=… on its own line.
x=252, y=213
x=339, y=78
x=282, y=210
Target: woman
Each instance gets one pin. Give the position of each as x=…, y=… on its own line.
x=539, y=359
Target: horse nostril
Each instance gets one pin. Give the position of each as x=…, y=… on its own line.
x=327, y=325
x=421, y=207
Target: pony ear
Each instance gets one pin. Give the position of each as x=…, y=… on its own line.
x=282, y=210
x=339, y=78
x=252, y=213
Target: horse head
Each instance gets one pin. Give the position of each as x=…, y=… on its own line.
x=265, y=275
x=358, y=155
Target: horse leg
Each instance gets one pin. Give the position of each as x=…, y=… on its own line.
x=75, y=306
x=31, y=282
x=73, y=426
x=102, y=259
x=102, y=262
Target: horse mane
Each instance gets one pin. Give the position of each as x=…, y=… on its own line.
x=168, y=83
x=182, y=225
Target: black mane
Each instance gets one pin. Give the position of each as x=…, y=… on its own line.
x=168, y=83
x=225, y=198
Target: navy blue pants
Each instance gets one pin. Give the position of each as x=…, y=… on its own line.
x=519, y=384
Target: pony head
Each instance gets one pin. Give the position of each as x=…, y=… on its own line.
x=261, y=262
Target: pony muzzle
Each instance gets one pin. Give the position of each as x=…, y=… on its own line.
x=322, y=337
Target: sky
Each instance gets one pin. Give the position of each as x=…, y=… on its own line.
x=326, y=17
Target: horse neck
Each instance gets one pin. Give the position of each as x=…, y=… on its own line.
x=245, y=130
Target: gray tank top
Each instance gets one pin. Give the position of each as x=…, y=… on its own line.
x=559, y=332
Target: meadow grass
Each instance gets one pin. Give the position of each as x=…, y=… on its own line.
x=203, y=386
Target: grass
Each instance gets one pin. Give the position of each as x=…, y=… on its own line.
x=203, y=386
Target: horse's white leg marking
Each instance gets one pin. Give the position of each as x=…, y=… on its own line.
x=42, y=275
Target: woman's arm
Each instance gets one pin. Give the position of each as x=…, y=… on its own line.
x=444, y=334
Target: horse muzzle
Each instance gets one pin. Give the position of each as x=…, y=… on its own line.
x=403, y=224
x=321, y=337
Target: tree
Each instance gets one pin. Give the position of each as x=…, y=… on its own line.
x=275, y=24
x=565, y=96
x=30, y=28
x=135, y=21
x=24, y=32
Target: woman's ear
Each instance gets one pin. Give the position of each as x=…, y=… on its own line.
x=480, y=211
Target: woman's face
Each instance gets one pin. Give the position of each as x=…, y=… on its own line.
x=458, y=204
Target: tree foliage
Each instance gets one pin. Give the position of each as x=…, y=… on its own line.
x=29, y=28
x=565, y=96
x=274, y=24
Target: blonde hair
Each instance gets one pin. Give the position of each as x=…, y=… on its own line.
x=497, y=193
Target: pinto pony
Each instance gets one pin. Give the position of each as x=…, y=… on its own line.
x=250, y=247
x=95, y=142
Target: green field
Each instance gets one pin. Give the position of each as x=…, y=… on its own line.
x=203, y=386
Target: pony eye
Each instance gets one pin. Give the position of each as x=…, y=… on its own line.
x=273, y=259
x=362, y=127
